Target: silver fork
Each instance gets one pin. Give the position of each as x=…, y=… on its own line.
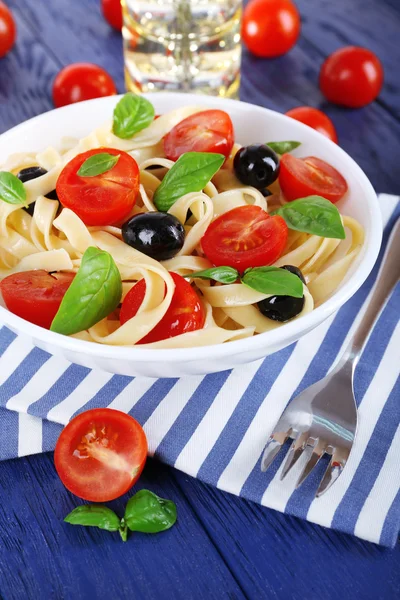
x=323, y=418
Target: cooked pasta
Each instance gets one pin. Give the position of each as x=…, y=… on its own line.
x=54, y=239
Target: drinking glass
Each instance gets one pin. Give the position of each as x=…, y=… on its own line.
x=182, y=45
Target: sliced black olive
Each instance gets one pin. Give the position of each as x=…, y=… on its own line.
x=157, y=234
x=256, y=165
x=33, y=173
x=266, y=192
x=283, y=308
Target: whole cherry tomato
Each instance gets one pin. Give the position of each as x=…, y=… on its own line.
x=316, y=119
x=100, y=454
x=351, y=76
x=112, y=11
x=7, y=30
x=81, y=81
x=270, y=27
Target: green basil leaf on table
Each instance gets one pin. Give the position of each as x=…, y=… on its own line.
x=98, y=164
x=94, y=293
x=148, y=513
x=221, y=274
x=12, y=190
x=315, y=215
x=94, y=515
x=132, y=114
x=283, y=147
x=274, y=281
x=191, y=173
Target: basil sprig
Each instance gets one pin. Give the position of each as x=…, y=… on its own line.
x=283, y=147
x=145, y=512
x=221, y=274
x=315, y=215
x=12, y=190
x=97, y=164
x=267, y=280
x=148, y=513
x=274, y=281
x=94, y=293
x=132, y=114
x=191, y=173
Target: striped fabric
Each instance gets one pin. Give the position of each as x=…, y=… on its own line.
x=215, y=427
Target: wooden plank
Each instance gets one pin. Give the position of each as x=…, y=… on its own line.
x=42, y=557
x=277, y=556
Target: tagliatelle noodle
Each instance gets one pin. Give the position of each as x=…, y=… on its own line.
x=55, y=240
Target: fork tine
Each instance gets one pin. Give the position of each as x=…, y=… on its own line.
x=295, y=451
x=318, y=451
x=274, y=444
x=333, y=470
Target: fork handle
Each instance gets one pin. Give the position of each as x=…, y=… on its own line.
x=388, y=276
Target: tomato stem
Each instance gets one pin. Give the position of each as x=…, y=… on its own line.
x=123, y=530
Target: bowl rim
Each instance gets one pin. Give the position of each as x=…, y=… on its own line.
x=271, y=338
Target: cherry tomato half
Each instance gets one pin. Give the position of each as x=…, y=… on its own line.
x=185, y=313
x=112, y=11
x=270, y=27
x=100, y=454
x=35, y=295
x=81, y=81
x=351, y=76
x=104, y=199
x=316, y=119
x=245, y=237
x=7, y=30
x=206, y=131
x=301, y=177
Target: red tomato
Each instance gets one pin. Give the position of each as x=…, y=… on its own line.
x=112, y=11
x=316, y=119
x=7, y=30
x=206, y=131
x=35, y=295
x=100, y=454
x=301, y=177
x=104, y=199
x=81, y=81
x=185, y=313
x=351, y=76
x=270, y=27
x=245, y=237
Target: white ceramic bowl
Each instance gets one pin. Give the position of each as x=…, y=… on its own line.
x=253, y=124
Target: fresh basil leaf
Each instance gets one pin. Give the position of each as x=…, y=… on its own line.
x=274, y=281
x=98, y=164
x=315, y=215
x=94, y=293
x=12, y=190
x=191, y=173
x=148, y=513
x=132, y=114
x=283, y=147
x=221, y=274
x=94, y=515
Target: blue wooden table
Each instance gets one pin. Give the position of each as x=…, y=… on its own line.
x=222, y=547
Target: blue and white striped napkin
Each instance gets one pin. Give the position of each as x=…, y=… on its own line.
x=215, y=427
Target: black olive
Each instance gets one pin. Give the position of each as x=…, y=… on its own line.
x=256, y=165
x=283, y=308
x=266, y=192
x=157, y=234
x=32, y=173
x=295, y=271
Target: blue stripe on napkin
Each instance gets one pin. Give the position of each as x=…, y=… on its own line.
x=215, y=427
